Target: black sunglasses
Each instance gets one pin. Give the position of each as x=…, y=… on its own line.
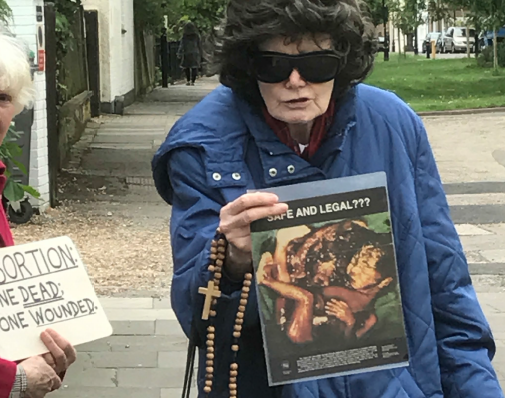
x=314, y=67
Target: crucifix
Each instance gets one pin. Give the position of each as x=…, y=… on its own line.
x=210, y=293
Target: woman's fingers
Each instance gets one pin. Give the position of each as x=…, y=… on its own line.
x=65, y=345
x=62, y=352
x=248, y=201
x=246, y=217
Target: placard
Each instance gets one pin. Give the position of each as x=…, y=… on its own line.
x=45, y=285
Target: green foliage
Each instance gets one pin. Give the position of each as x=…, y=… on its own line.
x=439, y=84
x=65, y=40
x=378, y=11
x=150, y=15
x=5, y=12
x=486, y=58
x=10, y=151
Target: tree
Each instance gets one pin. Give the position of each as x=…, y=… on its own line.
x=154, y=15
x=486, y=14
x=5, y=12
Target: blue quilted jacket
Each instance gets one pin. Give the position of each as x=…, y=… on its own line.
x=223, y=147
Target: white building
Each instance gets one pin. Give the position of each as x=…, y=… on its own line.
x=28, y=15
x=117, y=52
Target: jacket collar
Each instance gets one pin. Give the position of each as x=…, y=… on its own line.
x=272, y=150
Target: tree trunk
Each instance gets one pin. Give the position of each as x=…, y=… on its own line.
x=399, y=43
x=495, y=49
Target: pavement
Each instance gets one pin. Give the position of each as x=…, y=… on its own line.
x=146, y=355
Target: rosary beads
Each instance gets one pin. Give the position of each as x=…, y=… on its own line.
x=212, y=293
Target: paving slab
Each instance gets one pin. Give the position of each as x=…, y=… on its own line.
x=132, y=359
x=134, y=327
x=123, y=314
x=166, y=378
x=101, y=392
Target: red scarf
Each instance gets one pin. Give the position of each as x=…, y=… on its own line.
x=317, y=135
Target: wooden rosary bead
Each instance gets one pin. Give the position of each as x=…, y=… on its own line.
x=219, y=263
x=210, y=349
x=221, y=249
x=221, y=242
x=214, y=302
x=210, y=356
x=239, y=321
x=209, y=369
x=214, y=250
x=236, y=335
x=244, y=296
x=207, y=389
x=213, y=313
x=211, y=336
x=233, y=373
x=209, y=376
x=221, y=256
x=248, y=276
x=208, y=383
x=209, y=363
x=216, y=282
x=233, y=379
x=234, y=366
x=232, y=386
x=218, y=275
x=238, y=328
x=211, y=268
x=213, y=257
x=213, y=243
x=240, y=315
x=247, y=283
x=233, y=393
x=210, y=343
x=241, y=308
x=211, y=329
x=235, y=347
x=246, y=289
x=243, y=302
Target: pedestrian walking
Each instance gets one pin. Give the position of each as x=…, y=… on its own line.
x=190, y=52
x=39, y=375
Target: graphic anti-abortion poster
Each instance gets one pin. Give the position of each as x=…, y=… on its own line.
x=328, y=288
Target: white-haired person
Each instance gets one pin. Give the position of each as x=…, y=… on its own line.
x=36, y=376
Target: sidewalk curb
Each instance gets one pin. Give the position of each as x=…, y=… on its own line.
x=459, y=112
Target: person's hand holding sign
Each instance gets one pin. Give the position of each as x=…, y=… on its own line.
x=61, y=353
x=44, y=372
x=40, y=377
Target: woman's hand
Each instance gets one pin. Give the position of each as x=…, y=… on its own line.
x=61, y=353
x=41, y=377
x=237, y=216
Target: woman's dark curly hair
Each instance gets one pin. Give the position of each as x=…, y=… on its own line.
x=251, y=22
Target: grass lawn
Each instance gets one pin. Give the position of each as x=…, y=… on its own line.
x=440, y=84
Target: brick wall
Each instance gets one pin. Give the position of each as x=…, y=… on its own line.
x=24, y=26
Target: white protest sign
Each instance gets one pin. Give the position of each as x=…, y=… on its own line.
x=45, y=285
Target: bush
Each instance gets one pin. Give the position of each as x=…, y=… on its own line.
x=485, y=59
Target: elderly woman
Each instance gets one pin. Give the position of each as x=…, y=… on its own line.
x=293, y=109
x=36, y=376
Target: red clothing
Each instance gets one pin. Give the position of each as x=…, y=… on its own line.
x=7, y=368
x=7, y=377
x=317, y=135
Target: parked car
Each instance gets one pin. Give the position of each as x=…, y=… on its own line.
x=381, y=43
x=429, y=38
x=455, y=40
